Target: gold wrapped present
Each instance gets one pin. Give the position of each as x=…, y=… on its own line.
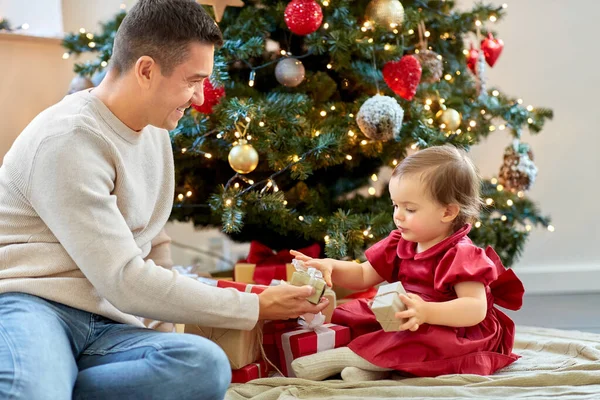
x=311, y=277
x=387, y=303
x=241, y=347
x=244, y=272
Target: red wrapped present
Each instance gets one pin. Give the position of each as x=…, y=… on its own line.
x=240, y=286
x=272, y=265
x=249, y=372
x=271, y=330
x=307, y=341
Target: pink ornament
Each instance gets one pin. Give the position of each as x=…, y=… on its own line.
x=403, y=76
x=303, y=16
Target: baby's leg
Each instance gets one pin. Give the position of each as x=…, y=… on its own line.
x=319, y=366
x=354, y=374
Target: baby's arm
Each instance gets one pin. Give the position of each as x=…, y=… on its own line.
x=347, y=274
x=469, y=309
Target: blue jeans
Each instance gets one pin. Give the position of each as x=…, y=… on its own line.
x=52, y=351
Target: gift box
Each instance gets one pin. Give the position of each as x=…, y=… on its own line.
x=240, y=286
x=271, y=330
x=249, y=372
x=241, y=347
x=306, y=341
x=311, y=277
x=244, y=272
x=387, y=303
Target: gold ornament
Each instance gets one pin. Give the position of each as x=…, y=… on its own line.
x=450, y=117
x=387, y=13
x=243, y=158
x=219, y=6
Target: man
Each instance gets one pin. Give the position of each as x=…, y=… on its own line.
x=85, y=192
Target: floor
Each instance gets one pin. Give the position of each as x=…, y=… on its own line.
x=564, y=311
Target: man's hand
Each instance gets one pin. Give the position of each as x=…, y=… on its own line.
x=288, y=301
x=325, y=265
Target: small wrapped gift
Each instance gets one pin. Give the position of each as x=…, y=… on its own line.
x=309, y=340
x=241, y=347
x=309, y=276
x=249, y=372
x=387, y=303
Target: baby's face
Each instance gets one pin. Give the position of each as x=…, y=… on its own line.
x=416, y=215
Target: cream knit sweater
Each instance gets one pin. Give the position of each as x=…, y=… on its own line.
x=83, y=203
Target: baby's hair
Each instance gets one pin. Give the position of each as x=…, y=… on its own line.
x=450, y=176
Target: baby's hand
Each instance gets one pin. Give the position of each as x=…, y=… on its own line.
x=325, y=265
x=416, y=312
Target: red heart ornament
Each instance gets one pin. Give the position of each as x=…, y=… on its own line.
x=472, y=59
x=403, y=76
x=491, y=49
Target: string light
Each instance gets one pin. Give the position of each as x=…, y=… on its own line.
x=65, y=56
x=411, y=31
x=395, y=162
x=366, y=232
x=228, y=202
x=509, y=202
x=81, y=30
x=494, y=181
x=189, y=193
x=325, y=3
x=520, y=101
x=350, y=133
x=332, y=108
x=251, y=80
x=374, y=177
x=528, y=228
x=348, y=157
x=551, y=228
x=492, y=128
x=317, y=133
x=493, y=18
x=92, y=44
x=427, y=107
x=123, y=6
x=503, y=218
x=236, y=185
x=89, y=35
x=372, y=191
x=387, y=46
x=530, y=108
x=427, y=33
x=326, y=238
x=285, y=203
x=502, y=127
x=489, y=201
x=505, y=6
x=248, y=137
x=103, y=64
x=329, y=66
x=295, y=158
x=500, y=188
x=326, y=25
x=261, y=124
x=428, y=102
x=323, y=113
x=414, y=146
x=478, y=224
x=301, y=218
x=495, y=93
x=472, y=124
x=478, y=23
x=207, y=155
x=363, y=142
x=521, y=194
x=530, y=120
x=180, y=197
x=250, y=181
x=183, y=150
x=447, y=77
x=219, y=135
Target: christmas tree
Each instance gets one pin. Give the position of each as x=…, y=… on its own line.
x=312, y=101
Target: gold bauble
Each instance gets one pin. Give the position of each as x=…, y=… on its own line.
x=243, y=158
x=386, y=13
x=451, y=118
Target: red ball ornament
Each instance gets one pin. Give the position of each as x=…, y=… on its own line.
x=403, y=76
x=303, y=16
x=472, y=59
x=491, y=49
x=212, y=97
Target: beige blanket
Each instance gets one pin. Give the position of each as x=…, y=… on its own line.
x=555, y=364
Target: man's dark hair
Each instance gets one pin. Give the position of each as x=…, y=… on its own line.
x=163, y=30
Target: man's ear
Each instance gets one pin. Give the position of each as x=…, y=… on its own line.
x=451, y=212
x=145, y=69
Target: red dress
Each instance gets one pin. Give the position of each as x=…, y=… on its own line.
x=435, y=350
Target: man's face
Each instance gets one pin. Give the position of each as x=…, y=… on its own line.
x=171, y=95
